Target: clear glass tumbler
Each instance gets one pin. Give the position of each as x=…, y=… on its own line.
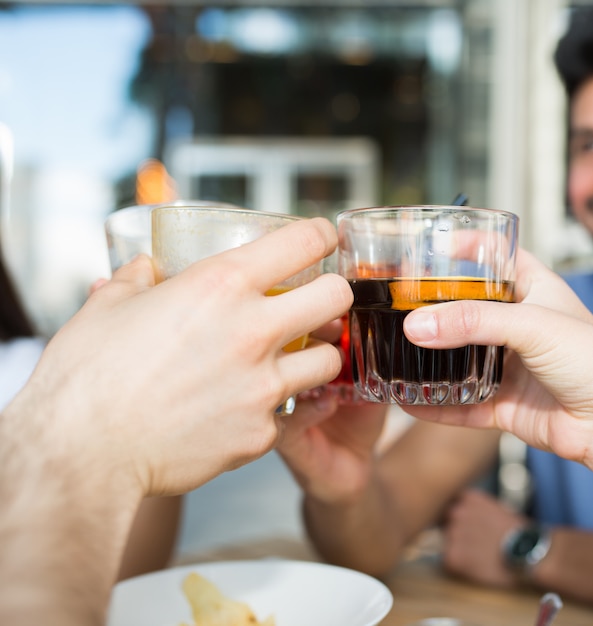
x=129, y=230
x=397, y=259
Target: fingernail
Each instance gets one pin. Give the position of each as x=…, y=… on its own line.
x=421, y=326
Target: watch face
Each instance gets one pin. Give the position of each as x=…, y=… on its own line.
x=526, y=547
x=525, y=540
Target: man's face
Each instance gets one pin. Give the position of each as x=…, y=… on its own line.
x=580, y=173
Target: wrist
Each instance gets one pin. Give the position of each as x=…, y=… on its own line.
x=65, y=520
x=54, y=429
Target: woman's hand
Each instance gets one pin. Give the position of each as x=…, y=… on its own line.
x=329, y=447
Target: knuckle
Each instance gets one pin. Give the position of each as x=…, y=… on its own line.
x=337, y=291
x=466, y=318
x=315, y=239
x=272, y=390
x=227, y=276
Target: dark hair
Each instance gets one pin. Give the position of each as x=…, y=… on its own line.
x=574, y=53
x=13, y=319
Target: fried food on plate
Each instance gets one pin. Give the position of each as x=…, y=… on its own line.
x=211, y=608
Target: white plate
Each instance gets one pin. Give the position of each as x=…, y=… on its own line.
x=296, y=593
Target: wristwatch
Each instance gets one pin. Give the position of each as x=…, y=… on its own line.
x=525, y=547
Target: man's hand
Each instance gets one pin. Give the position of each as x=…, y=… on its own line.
x=545, y=396
x=151, y=390
x=476, y=525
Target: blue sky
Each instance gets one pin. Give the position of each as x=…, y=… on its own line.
x=64, y=74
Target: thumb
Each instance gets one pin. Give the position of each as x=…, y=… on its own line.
x=139, y=272
x=129, y=279
x=528, y=329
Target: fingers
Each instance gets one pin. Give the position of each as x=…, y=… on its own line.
x=455, y=324
x=330, y=332
x=308, y=308
x=464, y=322
x=285, y=252
x=453, y=415
x=545, y=301
x=312, y=410
x=139, y=272
x=134, y=277
x=495, y=244
x=521, y=327
x=309, y=412
x=97, y=285
x=317, y=364
x=539, y=285
x=528, y=269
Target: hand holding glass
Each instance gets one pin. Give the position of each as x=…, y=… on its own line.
x=183, y=235
x=397, y=259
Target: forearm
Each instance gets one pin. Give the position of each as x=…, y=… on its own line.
x=568, y=566
x=152, y=538
x=63, y=526
x=364, y=534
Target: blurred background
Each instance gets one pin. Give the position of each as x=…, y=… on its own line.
x=305, y=107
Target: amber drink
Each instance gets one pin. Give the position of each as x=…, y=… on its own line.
x=397, y=259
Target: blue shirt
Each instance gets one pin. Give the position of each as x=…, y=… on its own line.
x=563, y=490
x=18, y=358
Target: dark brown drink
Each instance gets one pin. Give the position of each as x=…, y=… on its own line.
x=393, y=369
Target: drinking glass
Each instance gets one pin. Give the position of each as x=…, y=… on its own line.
x=129, y=230
x=397, y=259
x=342, y=387
x=128, y=234
x=182, y=235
